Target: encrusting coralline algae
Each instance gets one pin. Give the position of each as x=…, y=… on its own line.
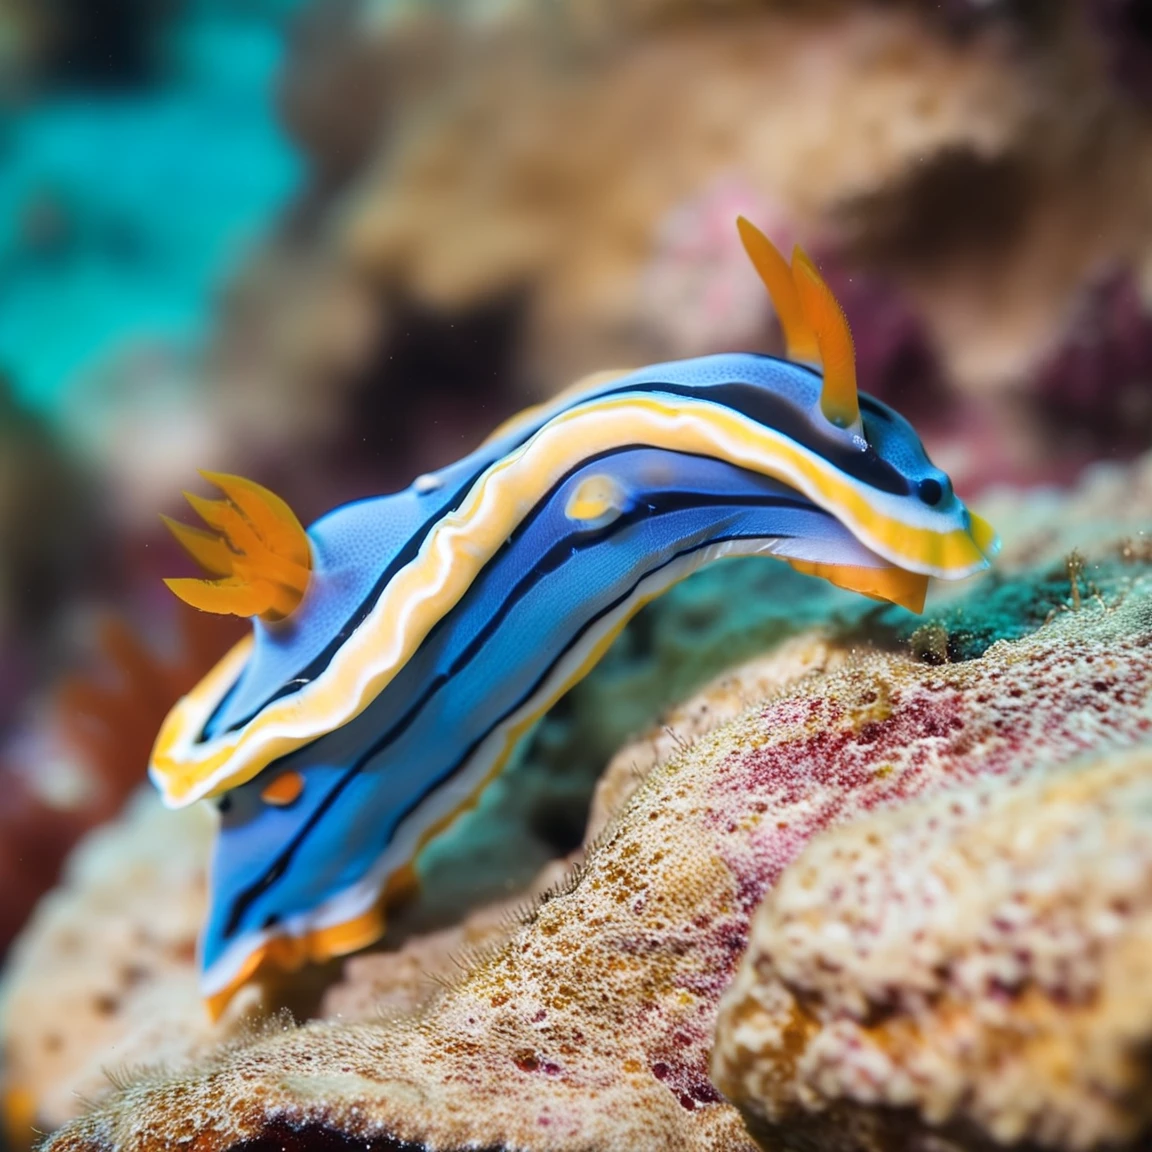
x=976, y=961
x=1000, y=759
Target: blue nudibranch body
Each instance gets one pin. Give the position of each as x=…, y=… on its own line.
x=403, y=644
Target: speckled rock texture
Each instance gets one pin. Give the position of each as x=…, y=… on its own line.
x=587, y=1020
x=977, y=963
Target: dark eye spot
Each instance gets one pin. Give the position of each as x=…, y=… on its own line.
x=930, y=491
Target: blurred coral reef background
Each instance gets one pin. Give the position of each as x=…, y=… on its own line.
x=329, y=244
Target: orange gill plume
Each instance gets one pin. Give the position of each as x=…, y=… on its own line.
x=257, y=552
x=815, y=328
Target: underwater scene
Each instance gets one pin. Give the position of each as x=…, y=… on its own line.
x=575, y=575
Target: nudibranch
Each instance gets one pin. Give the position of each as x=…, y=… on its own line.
x=402, y=645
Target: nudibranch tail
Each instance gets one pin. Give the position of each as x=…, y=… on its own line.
x=839, y=400
x=258, y=552
x=799, y=337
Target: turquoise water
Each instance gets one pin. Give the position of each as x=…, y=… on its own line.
x=121, y=214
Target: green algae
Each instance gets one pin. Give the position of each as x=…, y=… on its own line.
x=1000, y=606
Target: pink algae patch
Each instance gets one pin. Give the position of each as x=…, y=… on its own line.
x=887, y=732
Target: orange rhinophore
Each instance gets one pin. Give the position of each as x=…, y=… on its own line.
x=799, y=338
x=257, y=552
x=838, y=399
x=815, y=328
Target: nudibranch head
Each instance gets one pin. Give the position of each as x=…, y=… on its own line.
x=402, y=644
x=926, y=529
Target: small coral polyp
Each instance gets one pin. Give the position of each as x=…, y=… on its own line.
x=390, y=675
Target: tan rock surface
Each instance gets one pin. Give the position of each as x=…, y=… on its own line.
x=99, y=980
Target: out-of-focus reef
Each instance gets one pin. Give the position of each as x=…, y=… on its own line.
x=19, y=39
x=989, y=751
x=501, y=197
x=139, y=160
x=48, y=41
x=110, y=271
x=73, y=766
x=977, y=173
x=47, y=525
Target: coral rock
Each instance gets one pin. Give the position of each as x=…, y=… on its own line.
x=589, y=1020
x=122, y=927
x=977, y=963
x=506, y=845
x=591, y=1024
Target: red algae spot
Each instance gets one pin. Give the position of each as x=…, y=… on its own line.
x=688, y=1083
